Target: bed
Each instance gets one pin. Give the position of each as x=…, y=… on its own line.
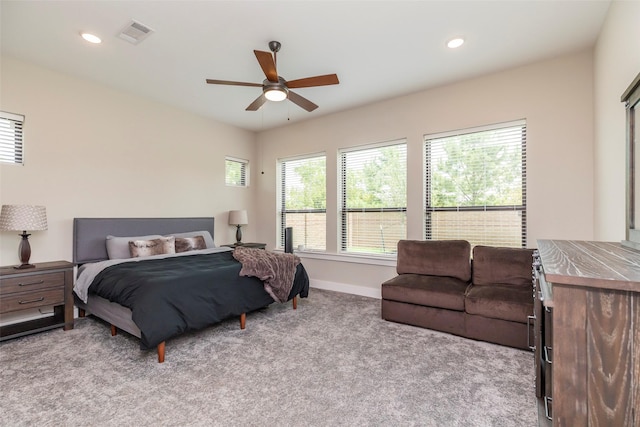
x=161, y=296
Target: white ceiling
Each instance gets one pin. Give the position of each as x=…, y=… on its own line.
x=379, y=49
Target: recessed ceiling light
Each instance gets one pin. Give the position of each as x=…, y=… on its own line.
x=456, y=42
x=91, y=38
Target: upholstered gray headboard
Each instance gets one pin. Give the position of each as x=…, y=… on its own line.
x=89, y=234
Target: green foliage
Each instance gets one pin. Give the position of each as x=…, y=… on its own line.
x=380, y=183
x=471, y=172
x=312, y=193
x=234, y=172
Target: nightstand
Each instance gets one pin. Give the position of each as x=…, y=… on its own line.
x=247, y=245
x=47, y=284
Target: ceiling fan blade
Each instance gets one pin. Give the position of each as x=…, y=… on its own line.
x=227, y=82
x=268, y=66
x=327, y=79
x=302, y=102
x=257, y=103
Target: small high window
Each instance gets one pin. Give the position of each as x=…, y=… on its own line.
x=11, y=142
x=236, y=172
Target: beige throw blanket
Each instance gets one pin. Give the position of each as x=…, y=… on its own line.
x=277, y=270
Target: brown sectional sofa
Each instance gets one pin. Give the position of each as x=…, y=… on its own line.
x=441, y=285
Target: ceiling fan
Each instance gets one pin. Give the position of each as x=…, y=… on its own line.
x=274, y=87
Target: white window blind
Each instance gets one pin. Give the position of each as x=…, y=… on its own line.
x=11, y=137
x=303, y=201
x=476, y=185
x=236, y=172
x=373, y=198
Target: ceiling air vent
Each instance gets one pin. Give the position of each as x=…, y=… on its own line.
x=135, y=32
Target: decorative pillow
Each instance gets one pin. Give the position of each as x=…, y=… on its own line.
x=162, y=245
x=208, y=240
x=184, y=244
x=118, y=247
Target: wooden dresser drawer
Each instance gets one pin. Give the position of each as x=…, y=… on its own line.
x=24, y=300
x=9, y=285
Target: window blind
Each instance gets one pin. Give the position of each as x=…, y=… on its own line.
x=11, y=142
x=303, y=201
x=373, y=197
x=476, y=185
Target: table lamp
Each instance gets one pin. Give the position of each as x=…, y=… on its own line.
x=238, y=218
x=23, y=218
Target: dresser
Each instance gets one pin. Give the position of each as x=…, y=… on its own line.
x=587, y=333
x=48, y=284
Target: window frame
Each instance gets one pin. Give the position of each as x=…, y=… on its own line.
x=244, y=174
x=282, y=211
x=344, y=211
x=522, y=208
x=11, y=146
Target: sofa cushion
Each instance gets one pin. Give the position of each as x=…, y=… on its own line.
x=431, y=291
x=435, y=258
x=505, y=302
x=507, y=266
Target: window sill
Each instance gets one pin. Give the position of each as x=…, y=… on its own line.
x=388, y=261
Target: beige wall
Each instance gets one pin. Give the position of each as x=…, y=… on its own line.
x=92, y=151
x=556, y=99
x=616, y=64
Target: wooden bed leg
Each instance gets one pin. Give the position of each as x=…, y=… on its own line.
x=243, y=320
x=114, y=331
x=161, y=352
x=295, y=303
x=81, y=312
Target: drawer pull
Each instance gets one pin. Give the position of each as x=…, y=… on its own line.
x=548, y=354
x=40, y=282
x=31, y=301
x=548, y=407
x=530, y=325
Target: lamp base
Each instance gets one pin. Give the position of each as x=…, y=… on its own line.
x=238, y=235
x=23, y=266
x=24, y=252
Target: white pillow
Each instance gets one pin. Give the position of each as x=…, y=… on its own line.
x=118, y=247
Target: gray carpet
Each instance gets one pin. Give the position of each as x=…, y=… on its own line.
x=332, y=362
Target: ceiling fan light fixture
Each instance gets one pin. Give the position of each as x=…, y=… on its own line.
x=275, y=94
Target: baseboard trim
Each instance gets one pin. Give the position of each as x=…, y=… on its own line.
x=346, y=288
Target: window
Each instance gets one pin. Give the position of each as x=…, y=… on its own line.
x=303, y=201
x=236, y=172
x=373, y=207
x=476, y=185
x=11, y=137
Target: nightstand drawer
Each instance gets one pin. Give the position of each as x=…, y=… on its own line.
x=34, y=282
x=24, y=300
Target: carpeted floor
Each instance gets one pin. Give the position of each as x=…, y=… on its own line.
x=332, y=362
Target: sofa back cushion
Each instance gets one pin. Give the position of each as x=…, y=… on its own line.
x=435, y=258
x=505, y=266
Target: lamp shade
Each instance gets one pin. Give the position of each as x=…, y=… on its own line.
x=238, y=217
x=23, y=218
